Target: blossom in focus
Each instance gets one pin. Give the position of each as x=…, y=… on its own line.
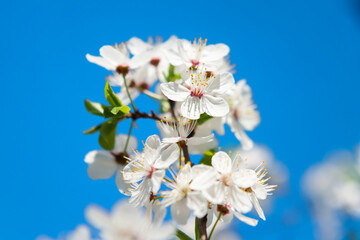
x=113, y=58
x=149, y=168
x=178, y=132
x=184, y=196
x=81, y=232
x=242, y=115
x=153, y=55
x=192, y=54
x=200, y=93
x=104, y=164
x=126, y=223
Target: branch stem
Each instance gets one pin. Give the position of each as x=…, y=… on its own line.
x=202, y=227
x=128, y=93
x=213, y=228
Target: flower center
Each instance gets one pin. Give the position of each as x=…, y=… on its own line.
x=226, y=179
x=120, y=158
x=155, y=62
x=194, y=62
x=122, y=69
x=197, y=92
x=151, y=171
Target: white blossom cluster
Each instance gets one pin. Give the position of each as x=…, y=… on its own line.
x=196, y=81
x=333, y=188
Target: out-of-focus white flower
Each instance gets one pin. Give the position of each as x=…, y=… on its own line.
x=137, y=80
x=184, y=195
x=333, y=188
x=81, y=232
x=200, y=93
x=155, y=54
x=113, y=58
x=177, y=132
x=192, y=54
x=126, y=223
x=242, y=115
x=149, y=168
x=227, y=214
x=103, y=164
x=229, y=182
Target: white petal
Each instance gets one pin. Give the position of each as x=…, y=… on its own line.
x=180, y=212
x=245, y=219
x=120, y=183
x=200, y=140
x=137, y=45
x=120, y=142
x=97, y=216
x=257, y=206
x=221, y=84
x=192, y=108
x=156, y=179
x=168, y=157
x=215, y=52
x=203, y=177
x=174, y=91
x=141, y=59
x=215, y=106
x=227, y=218
x=112, y=55
x=245, y=178
x=240, y=134
x=159, y=213
x=197, y=202
x=215, y=193
x=260, y=191
x=153, y=141
x=239, y=199
x=101, y=164
x=221, y=162
x=141, y=195
x=101, y=62
x=82, y=232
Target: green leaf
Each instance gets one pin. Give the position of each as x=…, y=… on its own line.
x=94, y=108
x=92, y=130
x=206, y=160
x=203, y=118
x=164, y=106
x=172, y=76
x=107, y=134
x=120, y=110
x=111, y=96
x=181, y=235
x=197, y=232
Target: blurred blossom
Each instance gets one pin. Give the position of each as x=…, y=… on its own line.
x=333, y=189
x=82, y=232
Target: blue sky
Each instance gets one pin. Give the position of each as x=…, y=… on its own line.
x=301, y=59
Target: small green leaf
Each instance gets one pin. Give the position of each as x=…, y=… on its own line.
x=172, y=76
x=107, y=134
x=92, y=130
x=206, y=160
x=203, y=118
x=164, y=106
x=111, y=96
x=120, y=110
x=94, y=108
x=181, y=235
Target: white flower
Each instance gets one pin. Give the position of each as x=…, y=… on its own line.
x=183, y=197
x=149, y=168
x=126, y=223
x=199, y=94
x=113, y=58
x=81, y=232
x=177, y=132
x=137, y=80
x=242, y=115
x=229, y=182
x=227, y=213
x=103, y=164
x=156, y=54
x=192, y=54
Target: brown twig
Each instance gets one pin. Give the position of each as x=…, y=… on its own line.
x=201, y=222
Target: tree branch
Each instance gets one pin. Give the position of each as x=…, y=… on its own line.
x=202, y=227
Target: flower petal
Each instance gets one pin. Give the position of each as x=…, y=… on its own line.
x=169, y=155
x=156, y=179
x=239, y=199
x=260, y=191
x=120, y=142
x=97, y=216
x=221, y=84
x=101, y=62
x=197, y=202
x=174, y=91
x=215, y=106
x=101, y=164
x=203, y=177
x=257, y=206
x=245, y=219
x=221, y=162
x=192, y=108
x=215, y=193
x=180, y=212
x=112, y=55
x=140, y=196
x=137, y=46
x=121, y=185
x=215, y=52
x=245, y=178
x=200, y=140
